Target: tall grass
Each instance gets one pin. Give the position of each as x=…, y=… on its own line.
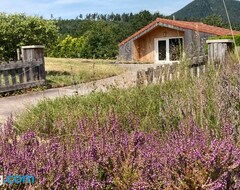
x=211, y=100
x=66, y=72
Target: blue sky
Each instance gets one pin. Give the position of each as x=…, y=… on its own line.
x=72, y=8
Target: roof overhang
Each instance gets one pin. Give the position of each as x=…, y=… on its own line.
x=180, y=26
x=155, y=26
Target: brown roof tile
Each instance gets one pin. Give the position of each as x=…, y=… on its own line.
x=197, y=26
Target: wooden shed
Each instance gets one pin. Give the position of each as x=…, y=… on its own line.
x=166, y=41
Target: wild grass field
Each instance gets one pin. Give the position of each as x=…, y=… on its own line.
x=182, y=134
x=67, y=72
x=157, y=106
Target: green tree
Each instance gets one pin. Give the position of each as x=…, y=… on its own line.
x=214, y=20
x=101, y=34
x=70, y=47
x=101, y=40
x=18, y=29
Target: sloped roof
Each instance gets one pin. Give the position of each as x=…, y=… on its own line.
x=196, y=26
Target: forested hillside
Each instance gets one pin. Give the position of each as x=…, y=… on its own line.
x=98, y=35
x=200, y=9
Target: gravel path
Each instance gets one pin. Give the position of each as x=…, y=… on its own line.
x=16, y=104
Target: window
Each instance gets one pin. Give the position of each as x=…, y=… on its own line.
x=175, y=49
x=168, y=49
x=162, y=46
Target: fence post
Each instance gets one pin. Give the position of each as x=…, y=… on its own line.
x=0, y=78
x=156, y=78
x=218, y=50
x=150, y=75
x=18, y=54
x=141, y=77
x=34, y=53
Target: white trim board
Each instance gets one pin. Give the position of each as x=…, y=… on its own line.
x=167, y=61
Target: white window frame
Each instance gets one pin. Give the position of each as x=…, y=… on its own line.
x=167, y=61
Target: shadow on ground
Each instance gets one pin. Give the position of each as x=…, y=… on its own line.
x=57, y=73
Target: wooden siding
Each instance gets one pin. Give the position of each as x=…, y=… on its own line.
x=144, y=46
x=126, y=51
x=195, y=43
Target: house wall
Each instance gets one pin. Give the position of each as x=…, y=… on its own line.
x=195, y=43
x=126, y=51
x=143, y=47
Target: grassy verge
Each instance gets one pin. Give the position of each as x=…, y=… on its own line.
x=65, y=72
x=208, y=100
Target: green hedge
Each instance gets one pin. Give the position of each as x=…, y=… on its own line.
x=19, y=29
x=237, y=38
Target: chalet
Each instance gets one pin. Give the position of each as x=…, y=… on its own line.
x=166, y=41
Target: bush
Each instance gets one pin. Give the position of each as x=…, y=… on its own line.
x=107, y=156
x=18, y=30
x=70, y=47
x=98, y=42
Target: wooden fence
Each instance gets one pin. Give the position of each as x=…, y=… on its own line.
x=164, y=73
x=218, y=52
x=20, y=75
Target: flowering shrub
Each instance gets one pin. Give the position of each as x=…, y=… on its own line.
x=108, y=156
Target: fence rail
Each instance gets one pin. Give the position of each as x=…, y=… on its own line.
x=19, y=75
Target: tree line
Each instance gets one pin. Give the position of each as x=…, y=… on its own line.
x=94, y=36
x=98, y=35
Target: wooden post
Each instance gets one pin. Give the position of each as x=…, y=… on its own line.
x=27, y=73
x=13, y=76
x=6, y=79
x=156, y=76
x=198, y=71
x=166, y=72
x=218, y=50
x=192, y=72
x=34, y=53
x=163, y=73
x=18, y=54
x=150, y=75
x=140, y=77
x=0, y=78
x=21, y=75
x=172, y=71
